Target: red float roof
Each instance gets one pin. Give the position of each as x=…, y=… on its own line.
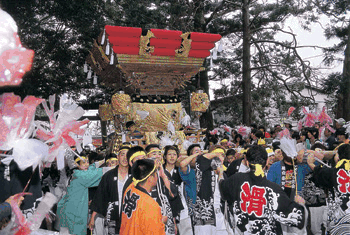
x=126, y=40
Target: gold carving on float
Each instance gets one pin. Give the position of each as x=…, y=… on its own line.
x=185, y=46
x=199, y=102
x=145, y=49
x=121, y=104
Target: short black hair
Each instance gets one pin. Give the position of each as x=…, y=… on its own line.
x=192, y=146
x=342, y=131
x=142, y=168
x=133, y=150
x=110, y=155
x=150, y=146
x=344, y=151
x=253, y=125
x=230, y=152
x=259, y=134
x=129, y=124
x=257, y=154
x=313, y=131
x=261, y=127
x=93, y=156
x=318, y=145
x=276, y=145
x=296, y=136
x=238, y=136
x=303, y=133
x=124, y=147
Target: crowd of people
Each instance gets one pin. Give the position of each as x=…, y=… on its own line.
x=258, y=182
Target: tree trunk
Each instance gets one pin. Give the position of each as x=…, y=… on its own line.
x=104, y=133
x=246, y=83
x=206, y=120
x=346, y=79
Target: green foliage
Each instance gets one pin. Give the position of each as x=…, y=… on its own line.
x=62, y=32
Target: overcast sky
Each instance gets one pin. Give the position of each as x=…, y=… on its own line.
x=313, y=37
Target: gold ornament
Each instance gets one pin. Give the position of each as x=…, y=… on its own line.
x=105, y=112
x=121, y=103
x=199, y=102
x=146, y=50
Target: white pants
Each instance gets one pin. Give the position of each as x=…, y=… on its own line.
x=99, y=228
x=185, y=226
x=220, y=228
x=317, y=219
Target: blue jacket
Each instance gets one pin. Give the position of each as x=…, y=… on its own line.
x=275, y=174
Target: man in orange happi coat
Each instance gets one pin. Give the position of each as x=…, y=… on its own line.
x=141, y=214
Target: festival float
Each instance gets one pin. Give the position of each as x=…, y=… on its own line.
x=148, y=68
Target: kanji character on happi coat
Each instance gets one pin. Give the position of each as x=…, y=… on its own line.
x=165, y=192
x=141, y=214
x=337, y=181
x=259, y=206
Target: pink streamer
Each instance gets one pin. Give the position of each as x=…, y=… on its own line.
x=17, y=61
x=226, y=128
x=21, y=114
x=61, y=136
x=300, y=125
x=242, y=130
x=290, y=110
x=310, y=119
x=324, y=117
x=213, y=132
x=329, y=128
x=29, y=106
x=283, y=133
x=23, y=224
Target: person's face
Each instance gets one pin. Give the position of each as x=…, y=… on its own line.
x=317, y=126
x=224, y=144
x=233, y=135
x=300, y=158
x=171, y=157
x=262, y=130
x=154, y=179
x=270, y=160
x=155, y=154
x=112, y=163
x=303, y=138
x=337, y=125
x=123, y=161
x=132, y=128
x=83, y=165
x=309, y=135
x=196, y=150
x=230, y=158
x=341, y=138
x=278, y=128
x=238, y=139
x=327, y=132
x=238, y=155
x=278, y=155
